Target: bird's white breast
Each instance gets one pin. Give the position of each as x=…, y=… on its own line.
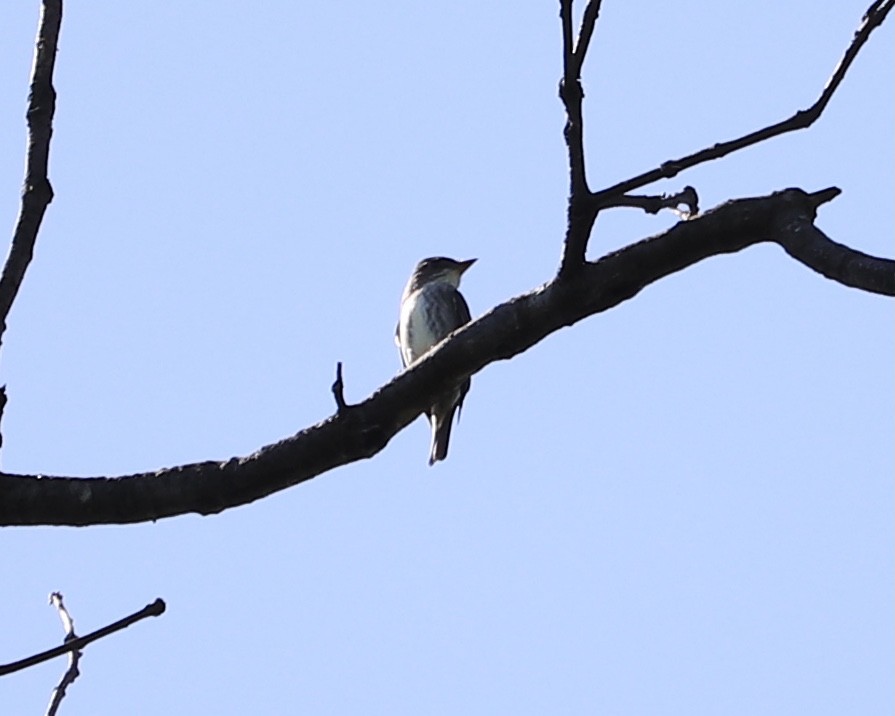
x=415, y=333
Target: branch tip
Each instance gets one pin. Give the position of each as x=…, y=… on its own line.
x=801, y=119
x=338, y=389
x=823, y=196
x=74, y=655
x=154, y=609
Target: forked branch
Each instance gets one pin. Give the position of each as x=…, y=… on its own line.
x=802, y=119
x=511, y=328
x=579, y=290
x=584, y=206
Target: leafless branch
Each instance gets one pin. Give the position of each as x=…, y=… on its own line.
x=3, y=399
x=588, y=23
x=37, y=192
x=572, y=95
x=150, y=610
x=338, y=389
x=802, y=119
x=585, y=206
x=580, y=289
x=581, y=213
x=74, y=656
x=654, y=204
x=785, y=218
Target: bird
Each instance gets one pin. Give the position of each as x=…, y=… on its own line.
x=431, y=308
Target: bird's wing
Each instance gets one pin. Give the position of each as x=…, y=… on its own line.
x=398, y=343
x=462, y=311
x=461, y=308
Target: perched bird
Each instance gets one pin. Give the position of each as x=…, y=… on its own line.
x=431, y=308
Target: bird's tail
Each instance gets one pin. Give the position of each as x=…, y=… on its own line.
x=441, y=433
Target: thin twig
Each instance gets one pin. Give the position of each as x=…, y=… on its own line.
x=802, y=119
x=150, y=610
x=588, y=23
x=653, y=204
x=568, y=47
x=3, y=399
x=37, y=192
x=338, y=389
x=74, y=656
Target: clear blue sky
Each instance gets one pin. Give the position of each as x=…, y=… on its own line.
x=682, y=506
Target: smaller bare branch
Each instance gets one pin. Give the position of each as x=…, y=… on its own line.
x=37, y=192
x=581, y=215
x=572, y=95
x=654, y=204
x=568, y=48
x=588, y=23
x=74, y=656
x=3, y=399
x=823, y=196
x=338, y=389
x=150, y=610
x=802, y=119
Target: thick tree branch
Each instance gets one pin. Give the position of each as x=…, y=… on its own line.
x=37, y=192
x=362, y=430
x=150, y=610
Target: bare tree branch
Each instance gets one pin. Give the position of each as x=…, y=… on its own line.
x=150, y=610
x=581, y=213
x=585, y=206
x=654, y=204
x=802, y=119
x=579, y=290
x=338, y=389
x=74, y=656
x=3, y=400
x=572, y=95
x=362, y=430
x=37, y=192
x=588, y=23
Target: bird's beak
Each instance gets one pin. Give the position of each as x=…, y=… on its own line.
x=465, y=265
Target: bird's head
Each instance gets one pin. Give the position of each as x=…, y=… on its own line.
x=439, y=268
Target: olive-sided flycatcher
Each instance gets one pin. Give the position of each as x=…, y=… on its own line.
x=431, y=308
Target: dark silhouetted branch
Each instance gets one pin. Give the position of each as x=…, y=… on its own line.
x=37, y=192
x=872, y=19
x=580, y=289
x=581, y=213
x=338, y=389
x=509, y=329
x=654, y=204
x=150, y=610
x=588, y=24
x=585, y=206
x=3, y=400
